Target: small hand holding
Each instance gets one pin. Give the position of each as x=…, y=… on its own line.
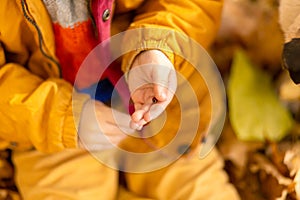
x=152, y=82
x=102, y=127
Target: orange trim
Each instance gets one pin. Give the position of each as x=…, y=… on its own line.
x=72, y=47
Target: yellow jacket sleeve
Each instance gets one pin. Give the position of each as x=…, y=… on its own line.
x=37, y=108
x=35, y=112
x=198, y=19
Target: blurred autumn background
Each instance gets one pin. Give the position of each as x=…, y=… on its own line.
x=260, y=142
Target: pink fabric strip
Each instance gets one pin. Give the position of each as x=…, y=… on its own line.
x=113, y=72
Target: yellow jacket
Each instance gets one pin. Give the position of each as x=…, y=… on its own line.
x=36, y=104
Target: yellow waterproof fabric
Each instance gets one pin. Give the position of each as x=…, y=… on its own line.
x=35, y=103
x=76, y=175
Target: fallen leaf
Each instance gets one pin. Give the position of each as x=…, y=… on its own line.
x=273, y=183
x=255, y=111
x=262, y=163
x=292, y=161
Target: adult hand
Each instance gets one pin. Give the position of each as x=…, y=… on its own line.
x=152, y=82
x=102, y=127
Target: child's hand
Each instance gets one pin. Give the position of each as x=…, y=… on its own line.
x=102, y=127
x=152, y=82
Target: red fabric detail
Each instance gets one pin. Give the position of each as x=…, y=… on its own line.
x=72, y=47
x=98, y=7
x=74, y=44
x=113, y=72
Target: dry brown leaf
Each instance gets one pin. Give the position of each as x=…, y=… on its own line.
x=276, y=153
x=274, y=184
x=297, y=184
x=262, y=163
x=292, y=161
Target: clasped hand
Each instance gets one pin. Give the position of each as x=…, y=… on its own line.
x=152, y=77
x=152, y=83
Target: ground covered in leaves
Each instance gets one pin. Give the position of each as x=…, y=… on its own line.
x=263, y=164
x=263, y=170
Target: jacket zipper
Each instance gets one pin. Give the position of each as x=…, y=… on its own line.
x=40, y=36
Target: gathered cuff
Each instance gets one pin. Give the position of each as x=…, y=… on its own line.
x=151, y=38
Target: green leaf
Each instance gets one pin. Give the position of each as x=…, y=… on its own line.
x=255, y=112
